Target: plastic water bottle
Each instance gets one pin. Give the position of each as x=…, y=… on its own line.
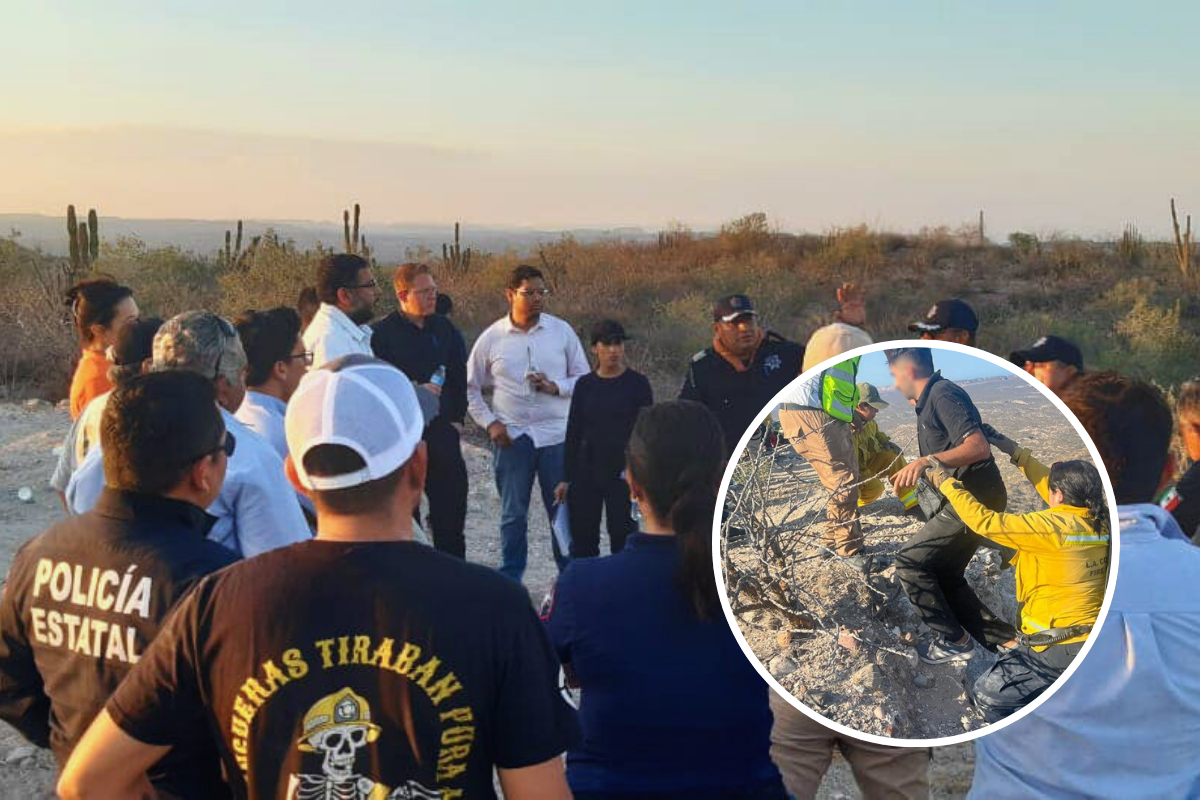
x=439, y=376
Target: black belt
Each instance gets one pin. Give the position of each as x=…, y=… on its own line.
x=1052, y=636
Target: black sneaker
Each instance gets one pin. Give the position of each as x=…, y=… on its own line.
x=939, y=651
x=859, y=561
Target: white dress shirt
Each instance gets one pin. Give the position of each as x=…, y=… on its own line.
x=502, y=357
x=256, y=510
x=332, y=334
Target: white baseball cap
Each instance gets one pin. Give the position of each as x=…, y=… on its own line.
x=361, y=403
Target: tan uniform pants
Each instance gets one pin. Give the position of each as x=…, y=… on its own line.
x=829, y=448
x=802, y=748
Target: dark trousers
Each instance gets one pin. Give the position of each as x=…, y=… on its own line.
x=1018, y=677
x=931, y=568
x=446, y=488
x=585, y=499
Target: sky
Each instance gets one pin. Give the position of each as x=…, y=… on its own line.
x=1072, y=116
x=955, y=366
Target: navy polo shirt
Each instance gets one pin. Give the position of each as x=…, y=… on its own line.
x=669, y=703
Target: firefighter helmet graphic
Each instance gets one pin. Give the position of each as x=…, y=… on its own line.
x=338, y=726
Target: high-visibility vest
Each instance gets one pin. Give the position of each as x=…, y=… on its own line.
x=839, y=389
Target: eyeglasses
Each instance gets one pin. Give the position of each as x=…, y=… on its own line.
x=307, y=356
x=371, y=285
x=227, y=444
x=533, y=292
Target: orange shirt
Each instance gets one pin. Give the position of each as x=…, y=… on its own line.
x=91, y=380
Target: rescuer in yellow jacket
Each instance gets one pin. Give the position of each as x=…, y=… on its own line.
x=878, y=456
x=1061, y=571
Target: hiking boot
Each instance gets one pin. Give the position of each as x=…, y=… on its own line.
x=859, y=561
x=939, y=651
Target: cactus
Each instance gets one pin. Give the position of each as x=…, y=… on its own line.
x=1183, y=244
x=354, y=241
x=233, y=256
x=453, y=256
x=83, y=240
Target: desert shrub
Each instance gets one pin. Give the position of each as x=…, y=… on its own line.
x=272, y=275
x=1157, y=344
x=166, y=280
x=1131, y=248
x=1025, y=246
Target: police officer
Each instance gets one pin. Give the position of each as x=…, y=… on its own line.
x=85, y=598
x=429, y=349
x=744, y=368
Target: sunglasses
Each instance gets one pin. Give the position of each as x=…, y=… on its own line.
x=533, y=292
x=227, y=445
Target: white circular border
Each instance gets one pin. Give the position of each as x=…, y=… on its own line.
x=1114, y=557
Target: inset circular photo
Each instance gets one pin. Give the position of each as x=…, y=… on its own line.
x=915, y=543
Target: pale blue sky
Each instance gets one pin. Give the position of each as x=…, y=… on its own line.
x=953, y=365
x=1068, y=115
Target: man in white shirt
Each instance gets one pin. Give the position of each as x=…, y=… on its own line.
x=275, y=362
x=531, y=361
x=256, y=510
x=347, y=290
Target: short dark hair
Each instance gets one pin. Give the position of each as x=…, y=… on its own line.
x=365, y=498
x=920, y=357
x=338, y=271
x=1131, y=426
x=445, y=305
x=155, y=427
x=307, y=304
x=522, y=273
x=134, y=345
x=268, y=338
x=94, y=301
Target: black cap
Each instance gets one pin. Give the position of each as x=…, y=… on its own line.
x=1049, y=348
x=729, y=308
x=953, y=313
x=608, y=329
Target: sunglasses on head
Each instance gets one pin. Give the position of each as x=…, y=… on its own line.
x=227, y=445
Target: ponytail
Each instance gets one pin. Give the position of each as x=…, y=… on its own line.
x=676, y=454
x=1080, y=483
x=94, y=301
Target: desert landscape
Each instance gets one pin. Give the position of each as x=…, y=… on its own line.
x=846, y=648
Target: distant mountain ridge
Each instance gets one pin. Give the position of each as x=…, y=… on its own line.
x=389, y=242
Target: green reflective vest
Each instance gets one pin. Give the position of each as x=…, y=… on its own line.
x=839, y=389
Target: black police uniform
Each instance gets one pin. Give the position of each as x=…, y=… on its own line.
x=738, y=398
x=418, y=352
x=931, y=565
x=82, y=603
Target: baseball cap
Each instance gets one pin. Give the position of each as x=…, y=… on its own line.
x=361, y=403
x=608, y=329
x=952, y=313
x=1049, y=348
x=730, y=307
x=867, y=393
x=832, y=340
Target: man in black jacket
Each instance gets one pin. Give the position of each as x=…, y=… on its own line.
x=85, y=598
x=427, y=348
x=744, y=368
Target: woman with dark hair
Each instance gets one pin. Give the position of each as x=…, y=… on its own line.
x=670, y=705
x=1061, y=571
x=100, y=307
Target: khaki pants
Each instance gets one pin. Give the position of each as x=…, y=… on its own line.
x=829, y=448
x=882, y=466
x=803, y=749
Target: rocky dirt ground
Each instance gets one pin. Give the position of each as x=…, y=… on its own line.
x=862, y=670
x=28, y=437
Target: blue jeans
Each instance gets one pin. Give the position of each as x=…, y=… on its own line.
x=516, y=466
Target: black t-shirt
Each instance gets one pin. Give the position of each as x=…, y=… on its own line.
x=738, y=398
x=83, y=602
x=946, y=416
x=418, y=352
x=337, y=669
x=603, y=411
